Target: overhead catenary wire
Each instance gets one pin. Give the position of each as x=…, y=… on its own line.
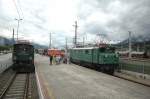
x=19, y=4
x=16, y=8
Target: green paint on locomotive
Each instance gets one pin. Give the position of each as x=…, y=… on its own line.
x=23, y=53
x=104, y=59
x=95, y=55
x=23, y=57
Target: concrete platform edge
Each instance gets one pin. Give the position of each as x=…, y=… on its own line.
x=39, y=85
x=133, y=79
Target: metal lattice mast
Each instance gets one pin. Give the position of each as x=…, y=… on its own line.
x=18, y=20
x=75, y=38
x=130, y=45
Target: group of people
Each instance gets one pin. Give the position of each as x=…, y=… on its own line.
x=55, y=59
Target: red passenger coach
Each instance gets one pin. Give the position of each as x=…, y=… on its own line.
x=55, y=52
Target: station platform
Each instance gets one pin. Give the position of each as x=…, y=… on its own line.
x=5, y=62
x=69, y=81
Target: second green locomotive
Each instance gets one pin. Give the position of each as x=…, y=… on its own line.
x=102, y=58
x=23, y=57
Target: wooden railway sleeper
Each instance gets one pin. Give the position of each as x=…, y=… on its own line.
x=15, y=91
x=26, y=87
x=7, y=85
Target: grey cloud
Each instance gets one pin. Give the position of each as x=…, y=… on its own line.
x=135, y=18
x=95, y=28
x=87, y=7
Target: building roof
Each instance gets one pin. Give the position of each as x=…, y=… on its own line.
x=85, y=48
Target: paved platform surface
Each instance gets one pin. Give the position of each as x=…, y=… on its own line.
x=5, y=61
x=5, y=57
x=129, y=77
x=76, y=82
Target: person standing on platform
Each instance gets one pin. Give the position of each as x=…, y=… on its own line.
x=68, y=58
x=58, y=59
x=54, y=59
x=51, y=59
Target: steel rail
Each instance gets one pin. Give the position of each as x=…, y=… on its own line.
x=7, y=86
x=26, y=87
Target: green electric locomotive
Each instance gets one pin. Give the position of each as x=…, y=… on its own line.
x=23, y=57
x=101, y=58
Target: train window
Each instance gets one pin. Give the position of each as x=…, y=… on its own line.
x=102, y=49
x=23, y=48
x=111, y=50
x=107, y=50
x=86, y=51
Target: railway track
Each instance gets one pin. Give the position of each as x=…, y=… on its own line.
x=18, y=86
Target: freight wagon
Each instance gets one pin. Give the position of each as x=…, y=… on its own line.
x=55, y=52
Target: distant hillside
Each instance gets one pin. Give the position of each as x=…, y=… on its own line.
x=38, y=46
x=139, y=43
x=135, y=40
x=6, y=41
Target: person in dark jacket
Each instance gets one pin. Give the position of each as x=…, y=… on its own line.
x=51, y=59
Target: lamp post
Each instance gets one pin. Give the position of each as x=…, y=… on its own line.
x=18, y=26
x=75, y=38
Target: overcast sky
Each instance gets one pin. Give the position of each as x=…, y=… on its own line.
x=113, y=18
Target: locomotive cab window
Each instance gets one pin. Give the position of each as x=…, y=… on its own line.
x=108, y=50
x=23, y=48
x=86, y=51
x=111, y=50
x=102, y=49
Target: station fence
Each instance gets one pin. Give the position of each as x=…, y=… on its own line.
x=139, y=66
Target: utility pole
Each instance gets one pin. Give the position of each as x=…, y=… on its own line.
x=66, y=50
x=121, y=46
x=83, y=41
x=75, y=38
x=144, y=45
x=18, y=26
x=66, y=44
x=13, y=36
x=50, y=41
x=130, y=45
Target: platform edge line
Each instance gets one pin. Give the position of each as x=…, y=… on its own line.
x=39, y=86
